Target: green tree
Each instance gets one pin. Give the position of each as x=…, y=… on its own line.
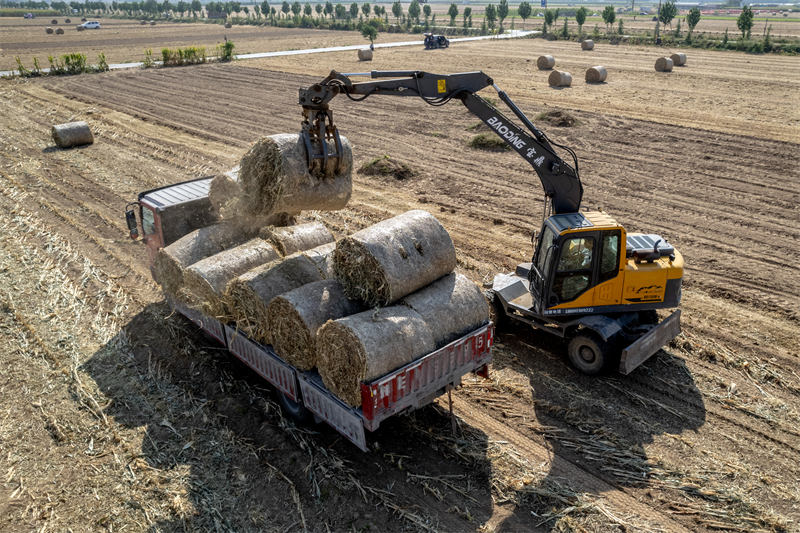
x=453, y=12
x=467, y=16
x=549, y=18
x=524, y=10
x=264, y=7
x=369, y=32
x=667, y=12
x=318, y=9
x=692, y=19
x=745, y=22
x=328, y=9
x=609, y=16
x=491, y=15
x=565, y=29
x=341, y=11
x=377, y=10
x=307, y=9
x=397, y=10
x=365, y=9
x=353, y=10
x=414, y=10
x=580, y=18
x=285, y=7
x=426, y=9
x=502, y=11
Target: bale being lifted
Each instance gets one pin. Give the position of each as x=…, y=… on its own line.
x=393, y=258
x=224, y=193
x=451, y=307
x=596, y=74
x=72, y=134
x=367, y=345
x=295, y=317
x=274, y=177
x=664, y=64
x=545, y=62
x=678, y=59
x=559, y=78
x=204, y=282
x=291, y=239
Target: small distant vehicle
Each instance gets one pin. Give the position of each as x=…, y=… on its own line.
x=91, y=25
x=432, y=42
x=28, y=16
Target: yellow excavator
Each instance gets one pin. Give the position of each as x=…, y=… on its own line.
x=589, y=281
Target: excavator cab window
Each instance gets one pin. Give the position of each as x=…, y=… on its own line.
x=573, y=273
x=609, y=258
x=148, y=221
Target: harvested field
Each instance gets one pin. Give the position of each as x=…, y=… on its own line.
x=153, y=427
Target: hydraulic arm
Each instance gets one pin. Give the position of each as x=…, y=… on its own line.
x=560, y=180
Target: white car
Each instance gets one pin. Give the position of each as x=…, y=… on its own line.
x=91, y=25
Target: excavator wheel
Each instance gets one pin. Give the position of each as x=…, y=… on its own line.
x=588, y=352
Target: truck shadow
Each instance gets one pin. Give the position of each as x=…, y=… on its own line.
x=217, y=446
x=597, y=428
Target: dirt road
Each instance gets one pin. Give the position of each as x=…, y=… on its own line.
x=123, y=417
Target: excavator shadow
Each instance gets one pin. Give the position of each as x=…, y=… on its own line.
x=597, y=429
x=217, y=446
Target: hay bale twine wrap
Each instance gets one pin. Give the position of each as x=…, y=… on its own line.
x=664, y=64
x=294, y=318
x=678, y=59
x=587, y=44
x=393, y=258
x=248, y=296
x=204, y=282
x=290, y=239
x=546, y=62
x=172, y=260
x=365, y=54
x=367, y=345
x=48, y=30
x=559, y=78
x=596, y=74
x=451, y=307
x=72, y=134
x=274, y=177
x=59, y=31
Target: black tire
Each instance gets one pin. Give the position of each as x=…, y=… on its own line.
x=294, y=410
x=588, y=353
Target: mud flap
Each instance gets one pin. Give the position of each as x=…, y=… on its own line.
x=649, y=343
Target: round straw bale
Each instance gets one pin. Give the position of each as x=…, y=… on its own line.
x=663, y=64
x=546, y=62
x=143, y=22
x=678, y=59
x=67, y=21
x=451, y=306
x=294, y=318
x=322, y=256
x=367, y=345
x=274, y=177
x=204, y=282
x=72, y=134
x=79, y=27
x=152, y=22
x=48, y=30
x=597, y=74
x=224, y=193
x=365, y=54
x=228, y=25
x=172, y=260
x=559, y=78
x=59, y=31
x=384, y=262
x=247, y=296
x=291, y=239
x=587, y=44
x=54, y=22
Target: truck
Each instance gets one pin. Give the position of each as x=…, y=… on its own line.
x=163, y=215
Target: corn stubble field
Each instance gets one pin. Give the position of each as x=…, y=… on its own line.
x=118, y=415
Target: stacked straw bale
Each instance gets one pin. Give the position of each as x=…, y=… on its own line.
x=322, y=257
x=288, y=240
x=295, y=317
x=559, y=78
x=664, y=64
x=597, y=74
x=205, y=281
x=274, y=177
x=393, y=258
x=545, y=62
x=367, y=345
x=678, y=59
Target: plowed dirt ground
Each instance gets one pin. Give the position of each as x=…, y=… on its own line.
x=118, y=415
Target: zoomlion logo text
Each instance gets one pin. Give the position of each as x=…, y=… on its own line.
x=506, y=133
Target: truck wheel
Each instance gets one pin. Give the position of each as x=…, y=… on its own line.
x=588, y=353
x=294, y=410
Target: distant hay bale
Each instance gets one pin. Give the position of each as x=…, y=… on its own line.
x=59, y=31
x=678, y=59
x=79, y=27
x=228, y=25
x=546, y=62
x=451, y=307
x=559, y=78
x=291, y=239
x=48, y=30
x=596, y=74
x=365, y=54
x=72, y=134
x=143, y=22
x=294, y=318
x=663, y=64
x=54, y=22
x=248, y=296
x=152, y=22
x=367, y=345
x=274, y=177
x=204, y=282
x=172, y=260
x=587, y=44
x=67, y=21
x=393, y=258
